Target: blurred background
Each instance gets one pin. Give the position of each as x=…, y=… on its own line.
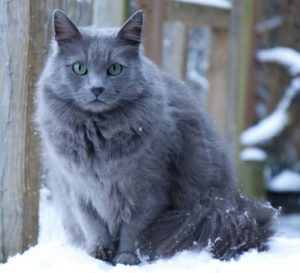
x=241, y=58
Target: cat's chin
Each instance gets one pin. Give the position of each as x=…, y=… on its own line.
x=95, y=106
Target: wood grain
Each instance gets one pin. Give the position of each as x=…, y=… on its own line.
x=25, y=31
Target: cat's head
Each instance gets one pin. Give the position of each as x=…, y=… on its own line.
x=96, y=70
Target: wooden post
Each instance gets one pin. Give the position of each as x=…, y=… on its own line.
x=153, y=29
x=217, y=99
x=21, y=53
x=242, y=58
x=252, y=179
x=25, y=30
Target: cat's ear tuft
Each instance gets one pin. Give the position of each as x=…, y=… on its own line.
x=64, y=28
x=131, y=31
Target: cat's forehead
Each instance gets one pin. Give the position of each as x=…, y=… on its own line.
x=98, y=41
x=96, y=44
x=101, y=34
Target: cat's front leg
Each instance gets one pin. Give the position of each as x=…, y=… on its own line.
x=99, y=243
x=134, y=220
x=101, y=246
x=126, y=252
x=100, y=252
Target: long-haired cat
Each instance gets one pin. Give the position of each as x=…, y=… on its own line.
x=135, y=167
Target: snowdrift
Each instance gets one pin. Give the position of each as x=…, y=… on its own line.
x=53, y=254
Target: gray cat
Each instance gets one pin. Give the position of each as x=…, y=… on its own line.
x=135, y=167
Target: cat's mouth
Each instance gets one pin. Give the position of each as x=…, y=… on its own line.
x=95, y=105
x=97, y=101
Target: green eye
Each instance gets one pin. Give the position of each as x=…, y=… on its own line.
x=115, y=69
x=79, y=68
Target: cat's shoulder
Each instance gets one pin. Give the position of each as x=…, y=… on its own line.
x=179, y=94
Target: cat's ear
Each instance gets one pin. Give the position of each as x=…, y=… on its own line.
x=131, y=31
x=64, y=28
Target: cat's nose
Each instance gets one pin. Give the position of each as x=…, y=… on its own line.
x=97, y=90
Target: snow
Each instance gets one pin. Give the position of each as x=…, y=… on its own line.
x=253, y=154
x=194, y=76
x=285, y=56
x=269, y=24
x=289, y=225
x=286, y=181
x=56, y=256
x=198, y=60
x=272, y=125
x=266, y=129
x=224, y=4
x=53, y=254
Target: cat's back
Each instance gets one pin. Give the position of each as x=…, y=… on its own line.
x=184, y=105
x=196, y=131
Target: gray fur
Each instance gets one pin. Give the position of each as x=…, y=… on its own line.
x=142, y=168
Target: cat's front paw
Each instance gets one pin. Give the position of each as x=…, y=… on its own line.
x=127, y=258
x=101, y=253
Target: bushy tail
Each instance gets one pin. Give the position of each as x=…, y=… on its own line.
x=225, y=227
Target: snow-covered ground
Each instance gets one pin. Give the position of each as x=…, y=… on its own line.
x=53, y=254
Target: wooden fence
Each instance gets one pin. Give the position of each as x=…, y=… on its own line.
x=190, y=13
x=24, y=34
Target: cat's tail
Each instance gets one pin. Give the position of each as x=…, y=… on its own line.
x=216, y=225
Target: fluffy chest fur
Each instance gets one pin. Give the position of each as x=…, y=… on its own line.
x=111, y=170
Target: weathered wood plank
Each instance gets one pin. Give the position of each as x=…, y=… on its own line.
x=242, y=58
x=39, y=17
x=25, y=30
x=193, y=13
x=217, y=98
x=153, y=28
x=14, y=45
